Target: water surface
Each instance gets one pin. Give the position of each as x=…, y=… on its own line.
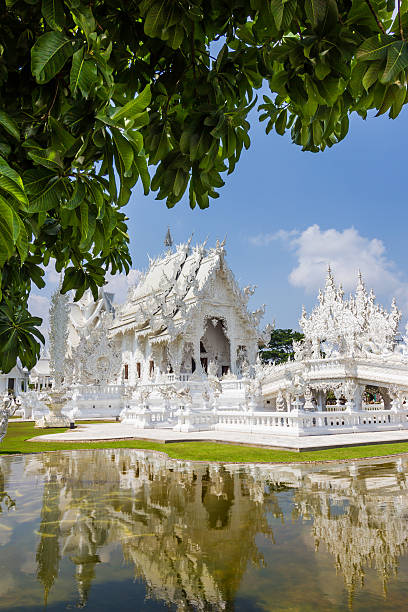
x=132, y=530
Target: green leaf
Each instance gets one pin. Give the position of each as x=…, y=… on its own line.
x=50, y=197
x=397, y=60
x=96, y=193
x=156, y=19
x=176, y=37
x=49, y=54
x=22, y=238
x=374, y=48
x=322, y=14
x=280, y=124
x=53, y=13
x=11, y=182
x=124, y=149
x=6, y=232
x=85, y=19
x=62, y=139
x=141, y=164
x=84, y=220
x=372, y=74
x=35, y=180
x=322, y=70
x=134, y=107
x=277, y=8
x=77, y=197
x=18, y=330
x=84, y=73
x=9, y=125
x=47, y=159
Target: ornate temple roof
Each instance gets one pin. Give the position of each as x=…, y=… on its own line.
x=173, y=286
x=357, y=325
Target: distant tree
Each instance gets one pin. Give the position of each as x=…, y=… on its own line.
x=280, y=347
x=98, y=95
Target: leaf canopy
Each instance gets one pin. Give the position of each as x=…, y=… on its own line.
x=95, y=97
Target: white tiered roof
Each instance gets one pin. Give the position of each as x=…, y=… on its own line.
x=173, y=285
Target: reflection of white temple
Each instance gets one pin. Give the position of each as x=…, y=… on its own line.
x=190, y=530
x=175, y=523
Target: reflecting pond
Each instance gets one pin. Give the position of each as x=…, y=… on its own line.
x=133, y=530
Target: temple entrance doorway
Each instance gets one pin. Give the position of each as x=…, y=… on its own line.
x=215, y=346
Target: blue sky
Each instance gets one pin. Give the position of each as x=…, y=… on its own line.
x=361, y=183
x=288, y=214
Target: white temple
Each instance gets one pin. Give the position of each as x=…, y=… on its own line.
x=182, y=353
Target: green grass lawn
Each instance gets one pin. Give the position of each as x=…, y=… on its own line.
x=18, y=433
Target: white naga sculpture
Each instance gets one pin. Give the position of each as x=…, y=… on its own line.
x=8, y=407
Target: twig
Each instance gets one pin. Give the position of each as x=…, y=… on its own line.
x=52, y=103
x=399, y=21
x=380, y=25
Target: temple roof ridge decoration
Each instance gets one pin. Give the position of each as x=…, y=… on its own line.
x=354, y=326
x=173, y=285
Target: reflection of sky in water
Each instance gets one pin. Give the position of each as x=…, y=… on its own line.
x=136, y=531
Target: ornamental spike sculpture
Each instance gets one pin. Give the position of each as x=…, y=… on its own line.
x=168, y=240
x=59, y=317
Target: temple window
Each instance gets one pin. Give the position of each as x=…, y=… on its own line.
x=139, y=369
x=151, y=368
x=126, y=371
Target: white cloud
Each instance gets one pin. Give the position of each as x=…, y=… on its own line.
x=119, y=284
x=39, y=306
x=346, y=252
x=265, y=239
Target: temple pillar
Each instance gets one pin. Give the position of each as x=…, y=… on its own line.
x=358, y=397
x=233, y=356
x=321, y=400
x=196, y=354
x=175, y=353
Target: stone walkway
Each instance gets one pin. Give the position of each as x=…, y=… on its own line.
x=117, y=431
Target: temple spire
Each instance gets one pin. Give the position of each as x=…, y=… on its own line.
x=168, y=240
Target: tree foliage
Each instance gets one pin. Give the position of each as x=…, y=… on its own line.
x=95, y=96
x=280, y=346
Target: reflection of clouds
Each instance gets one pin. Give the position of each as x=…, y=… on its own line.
x=5, y=536
x=30, y=565
x=7, y=582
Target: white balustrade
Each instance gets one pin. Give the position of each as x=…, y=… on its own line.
x=178, y=377
x=101, y=392
x=312, y=423
x=379, y=406
x=334, y=408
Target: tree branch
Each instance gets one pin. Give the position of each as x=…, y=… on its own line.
x=374, y=14
x=399, y=21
